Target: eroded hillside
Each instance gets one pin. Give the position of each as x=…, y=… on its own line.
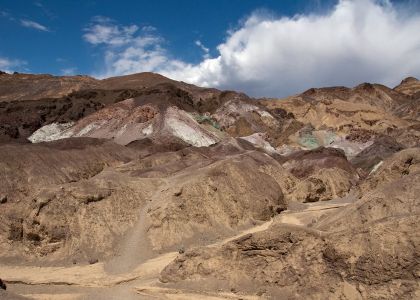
x=141, y=187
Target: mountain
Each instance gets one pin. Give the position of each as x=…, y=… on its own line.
x=141, y=187
x=409, y=86
x=32, y=87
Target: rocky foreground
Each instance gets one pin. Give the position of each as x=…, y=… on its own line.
x=141, y=187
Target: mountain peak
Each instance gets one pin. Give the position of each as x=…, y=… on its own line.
x=409, y=80
x=409, y=86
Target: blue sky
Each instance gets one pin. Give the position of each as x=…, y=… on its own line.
x=256, y=46
x=61, y=45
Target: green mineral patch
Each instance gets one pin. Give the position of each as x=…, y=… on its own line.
x=308, y=141
x=201, y=119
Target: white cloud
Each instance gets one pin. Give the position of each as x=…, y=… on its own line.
x=148, y=28
x=69, y=71
x=34, y=25
x=206, y=50
x=9, y=65
x=356, y=41
x=128, y=49
x=45, y=10
x=5, y=14
x=104, y=31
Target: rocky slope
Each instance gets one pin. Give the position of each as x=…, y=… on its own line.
x=143, y=187
x=367, y=250
x=33, y=87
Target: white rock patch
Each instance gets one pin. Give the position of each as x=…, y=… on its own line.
x=147, y=130
x=259, y=141
x=52, y=132
x=376, y=167
x=183, y=126
x=351, y=149
x=265, y=114
x=87, y=129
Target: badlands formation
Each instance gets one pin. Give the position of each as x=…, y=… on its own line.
x=141, y=187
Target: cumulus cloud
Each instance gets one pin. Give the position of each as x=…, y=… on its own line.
x=33, y=25
x=356, y=41
x=9, y=65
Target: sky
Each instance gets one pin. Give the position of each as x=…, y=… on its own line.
x=264, y=48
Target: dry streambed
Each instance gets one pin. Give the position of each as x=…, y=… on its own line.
x=91, y=281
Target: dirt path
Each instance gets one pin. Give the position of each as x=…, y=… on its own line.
x=176, y=294
x=134, y=281
x=134, y=249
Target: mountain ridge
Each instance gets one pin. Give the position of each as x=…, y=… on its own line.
x=143, y=187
